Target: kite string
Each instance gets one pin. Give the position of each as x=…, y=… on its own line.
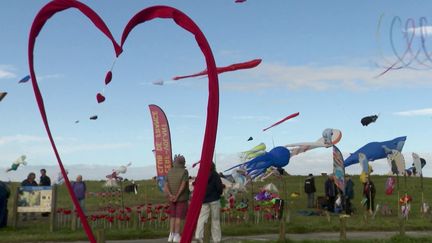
x=110, y=70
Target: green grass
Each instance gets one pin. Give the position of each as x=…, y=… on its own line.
x=148, y=192
x=394, y=239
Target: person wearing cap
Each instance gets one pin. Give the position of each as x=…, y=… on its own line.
x=177, y=190
x=309, y=189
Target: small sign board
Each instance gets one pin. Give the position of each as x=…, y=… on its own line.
x=34, y=199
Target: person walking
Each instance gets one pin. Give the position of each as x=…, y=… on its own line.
x=79, y=187
x=177, y=190
x=211, y=204
x=309, y=188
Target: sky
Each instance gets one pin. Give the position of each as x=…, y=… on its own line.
x=319, y=58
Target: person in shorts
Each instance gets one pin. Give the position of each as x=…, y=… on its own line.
x=177, y=191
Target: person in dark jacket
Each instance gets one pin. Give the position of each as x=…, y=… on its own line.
x=30, y=181
x=369, y=194
x=4, y=195
x=211, y=204
x=349, y=194
x=44, y=179
x=330, y=192
x=309, y=188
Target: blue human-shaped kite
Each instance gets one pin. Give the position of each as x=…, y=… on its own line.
x=277, y=157
x=376, y=150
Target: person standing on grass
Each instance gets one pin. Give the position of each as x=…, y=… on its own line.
x=309, y=188
x=177, y=190
x=369, y=194
x=79, y=187
x=349, y=194
x=211, y=204
x=330, y=192
x=4, y=195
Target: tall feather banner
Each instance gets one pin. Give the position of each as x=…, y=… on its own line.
x=162, y=143
x=338, y=168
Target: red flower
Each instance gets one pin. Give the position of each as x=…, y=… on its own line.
x=158, y=207
x=110, y=219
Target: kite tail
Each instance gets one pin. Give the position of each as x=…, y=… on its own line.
x=234, y=167
x=255, y=173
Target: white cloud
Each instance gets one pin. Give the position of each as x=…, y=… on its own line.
x=419, y=31
x=310, y=162
x=420, y=112
x=89, y=172
x=186, y=116
x=321, y=78
x=19, y=138
x=251, y=117
x=74, y=148
x=22, y=138
x=49, y=76
x=230, y=53
x=6, y=71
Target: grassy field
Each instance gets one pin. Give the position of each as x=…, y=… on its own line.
x=38, y=230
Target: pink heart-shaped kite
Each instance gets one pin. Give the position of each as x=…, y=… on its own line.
x=147, y=14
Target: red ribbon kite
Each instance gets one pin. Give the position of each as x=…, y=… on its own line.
x=279, y=122
x=147, y=14
x=230, y=68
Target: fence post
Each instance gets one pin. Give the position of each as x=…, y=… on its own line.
x=15, y=215
x=342, y=220
x=53, y=215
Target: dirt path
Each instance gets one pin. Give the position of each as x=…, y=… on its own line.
x=297, y=237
